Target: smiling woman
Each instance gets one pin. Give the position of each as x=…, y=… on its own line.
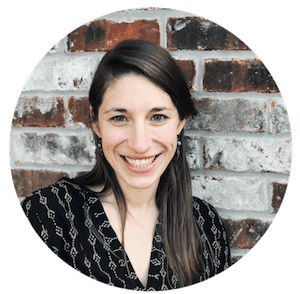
x=138, y=124
x=132, y=221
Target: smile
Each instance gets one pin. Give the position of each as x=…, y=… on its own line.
x=140, y=163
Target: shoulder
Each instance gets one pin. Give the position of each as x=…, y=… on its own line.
x=57, y=196
x=212, y=233
x=207, y=216
x=201, y=207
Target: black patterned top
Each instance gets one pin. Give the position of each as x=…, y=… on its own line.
x=71, y=220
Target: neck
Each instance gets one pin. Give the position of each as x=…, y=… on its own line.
x=139, y=199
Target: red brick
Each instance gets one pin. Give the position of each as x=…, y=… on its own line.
x=237, y=76
x=244, y=234
x=103, y=35
x=188, y=69
x=197, y=33
x=39, y=112
x=28, y=181
x=79, y=110
x=279, y=190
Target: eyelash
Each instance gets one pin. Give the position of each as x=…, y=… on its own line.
x=122, y=118
x=162, y=117
x=118, y=118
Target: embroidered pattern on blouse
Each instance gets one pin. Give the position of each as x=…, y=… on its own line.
x=72, y=222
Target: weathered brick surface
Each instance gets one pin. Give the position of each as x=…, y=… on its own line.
x=279, y=190
x=27, y=181
x=279, y=117
x=53, y=49
x=51, y=149
x=235, y=140
x=231, y=193
x=53, y=74
x=39, y=112
x=188, y=70
x=102, y=35
x=236, y=115
x=244, y=234
x=235, y=259
x=237, y=75
x=79, y=112
x=192, y=151
x=247, y=155
x=197, y=33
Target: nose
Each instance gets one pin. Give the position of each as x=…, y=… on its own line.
x=139, y=139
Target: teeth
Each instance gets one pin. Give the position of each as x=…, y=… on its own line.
x=140, y=163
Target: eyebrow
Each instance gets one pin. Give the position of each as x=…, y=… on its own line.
x=123, y=110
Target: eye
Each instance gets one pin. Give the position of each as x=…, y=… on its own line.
x=118, y=118
x=159, y=118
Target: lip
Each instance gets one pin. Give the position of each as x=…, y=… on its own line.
x=138, y=170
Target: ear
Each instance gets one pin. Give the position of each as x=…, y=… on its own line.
x=181, y=126
x=94, y=124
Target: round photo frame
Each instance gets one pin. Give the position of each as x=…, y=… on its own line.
x=210, y=165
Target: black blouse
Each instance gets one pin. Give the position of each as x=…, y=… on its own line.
x=71, y=220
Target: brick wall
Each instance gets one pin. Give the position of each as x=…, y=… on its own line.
x=239, y=146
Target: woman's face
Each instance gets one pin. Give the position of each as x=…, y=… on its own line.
x=138, y=124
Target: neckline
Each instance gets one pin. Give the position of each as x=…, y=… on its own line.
x=106, y=219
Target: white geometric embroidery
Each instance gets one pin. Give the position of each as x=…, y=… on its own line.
x=73, y=252
x=174, y=280
x=163, y=272
x=88, y=223
x=59, y=231
x=43, y=200
x=44, y=234
x=112, y=265
x=156, y=262
x=68, y=197
x=28, y=205
x=51, y=214
x=78, y=231
x=70, y=216
x=67, y=247
x=73, y=233
x=96, y=257
x=87, y=262
x=158, y=238
x=92, y=239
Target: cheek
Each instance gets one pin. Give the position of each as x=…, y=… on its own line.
x=168, y=139
x=111, y=140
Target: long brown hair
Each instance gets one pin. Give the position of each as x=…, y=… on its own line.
x=174, y=194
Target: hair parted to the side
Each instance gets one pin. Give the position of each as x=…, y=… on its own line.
x=174, y=195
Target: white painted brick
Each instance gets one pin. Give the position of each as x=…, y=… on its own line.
x=54, y=74
x=192, y=151
x=279, y=117
x=248, y=155
x=32, y=148
x=28, y=104
x=231, y=193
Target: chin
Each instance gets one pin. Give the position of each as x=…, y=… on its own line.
x=140, y=184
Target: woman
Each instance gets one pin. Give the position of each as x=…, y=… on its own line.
x=132, y=221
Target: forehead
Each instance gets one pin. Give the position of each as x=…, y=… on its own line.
x=135, y=92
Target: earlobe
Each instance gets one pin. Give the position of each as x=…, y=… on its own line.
x=181, y=126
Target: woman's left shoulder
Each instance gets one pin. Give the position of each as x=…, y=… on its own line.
x=205, y=213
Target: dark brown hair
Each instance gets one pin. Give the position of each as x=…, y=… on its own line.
x=174, y=194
